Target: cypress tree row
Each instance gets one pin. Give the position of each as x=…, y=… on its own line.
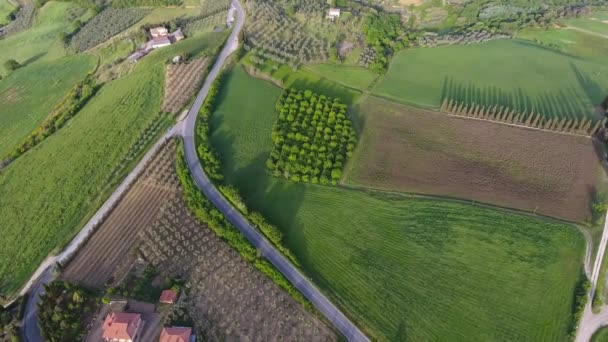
x=312, y=138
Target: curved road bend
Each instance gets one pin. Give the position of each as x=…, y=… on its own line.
x=343, y=324
x=44, y=274
x=590, y=322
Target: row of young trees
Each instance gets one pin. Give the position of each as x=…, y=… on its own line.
x=75, y=99
x=61, y=310
x=207, y=214
x=312, y=138
x=584, y=126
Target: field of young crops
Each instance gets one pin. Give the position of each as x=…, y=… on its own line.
x=49, y=191
x=515, y=73
x=41, y=42
x=25, y=101
x=403, y=266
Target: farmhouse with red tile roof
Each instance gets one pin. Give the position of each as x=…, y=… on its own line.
x=122, y=327
x=175, y=334
x=167, y=297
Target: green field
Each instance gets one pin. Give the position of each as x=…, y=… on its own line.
x=6, y=7
x=48, y=192
x=41, y=42
x=404, y=268
x=29, y=94
x=516, y=73
x=596, y=22
x=351, y=76
x=601, y=335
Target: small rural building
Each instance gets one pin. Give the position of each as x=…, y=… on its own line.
x=333, y=13
x=168, y=297
x=177, y=35
x=136, y=56
x=159, y=42
x=176, y=334
x=159, y=32
x=122, y=327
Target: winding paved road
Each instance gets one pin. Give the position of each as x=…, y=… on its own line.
x=590, y=322
x=343, y=324
x=30, y=331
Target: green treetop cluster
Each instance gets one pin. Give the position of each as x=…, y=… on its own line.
x=312, y=138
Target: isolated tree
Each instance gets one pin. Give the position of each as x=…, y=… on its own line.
x=11, y=65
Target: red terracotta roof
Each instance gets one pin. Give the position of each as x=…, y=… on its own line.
x=175, y=334
x=168, y=297
x=121, y=326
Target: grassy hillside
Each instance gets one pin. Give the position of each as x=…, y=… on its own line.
x=49, y=191
x=41, y=41
x=516, y=73
x=352, y=76
x=6, y=7
x=29, y=94
x=404, y=268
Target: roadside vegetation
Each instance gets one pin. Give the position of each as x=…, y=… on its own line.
x=379, y=269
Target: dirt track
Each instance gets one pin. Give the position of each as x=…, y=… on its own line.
x=414, y=150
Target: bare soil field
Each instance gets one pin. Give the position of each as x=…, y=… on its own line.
x=227, y=298
x=96, y=262
x=181, y=81
x=425, y=152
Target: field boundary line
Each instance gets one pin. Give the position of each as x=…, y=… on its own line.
x=374, y=190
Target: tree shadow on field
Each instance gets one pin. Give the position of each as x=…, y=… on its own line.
x=594, y=91
x=563, y=103
x=33, y=59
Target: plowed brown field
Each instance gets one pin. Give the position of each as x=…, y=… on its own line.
x=95, y=263
x=425, y=152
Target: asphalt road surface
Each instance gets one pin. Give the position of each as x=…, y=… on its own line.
x=343, y=324
x=590, y=322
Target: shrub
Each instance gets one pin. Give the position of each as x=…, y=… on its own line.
x=11, y=65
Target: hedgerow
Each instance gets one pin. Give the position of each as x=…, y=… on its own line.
x=106, y=25
x=65, y=110
x=312, y=138
x=207, y=214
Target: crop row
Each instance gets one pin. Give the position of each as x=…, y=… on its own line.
x=105, y=25
x=280, y=36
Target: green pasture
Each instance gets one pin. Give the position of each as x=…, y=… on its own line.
x=6, y=7
x=41, y=41
x=29, y=94
x=351, y=76
x=516, y=73
x=578, y=44
x=404, y=268
x=601, y=335
x=48, y=193
x=304, y=78
x=596, y=22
